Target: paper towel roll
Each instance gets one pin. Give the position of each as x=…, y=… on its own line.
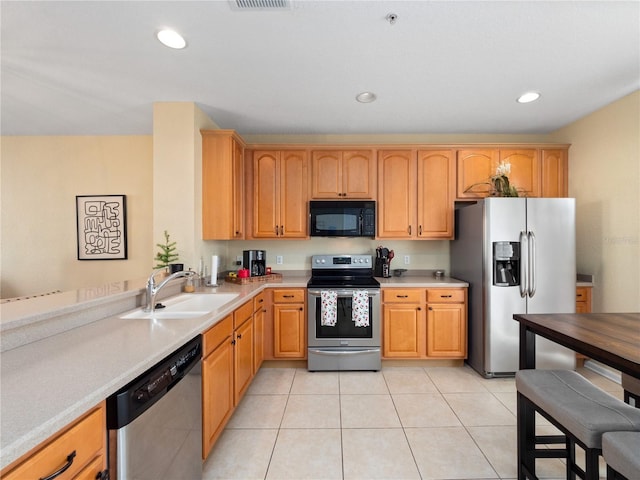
x=214, y=270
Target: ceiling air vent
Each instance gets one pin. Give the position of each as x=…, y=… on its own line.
x=260, y=4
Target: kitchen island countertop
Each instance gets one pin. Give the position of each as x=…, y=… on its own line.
x=47, y=383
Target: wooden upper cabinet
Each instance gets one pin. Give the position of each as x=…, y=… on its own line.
x=222, y=185
x=280, y=194
x=338, y=174
x=266, y=193
x=396, y=194
x=474, y=169
x=525, y=170
x=554, y=177
x=436, y=193
x=535, y=172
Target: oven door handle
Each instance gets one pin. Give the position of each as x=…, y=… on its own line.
x=343, y=293
x=330, y=353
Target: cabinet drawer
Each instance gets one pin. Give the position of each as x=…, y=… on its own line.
x=86, y=438
x=445, y=295
x=408, y=295
x=258, y=302
x=288, y=296
x=216, y=335
x=242, y=314
x=582, y=294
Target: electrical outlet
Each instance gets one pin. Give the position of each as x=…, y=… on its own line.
x=238, y=260
x=407, y=259
x=278, y=259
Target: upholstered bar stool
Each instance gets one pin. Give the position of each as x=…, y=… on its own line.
x=621, y=451
x=579, y=409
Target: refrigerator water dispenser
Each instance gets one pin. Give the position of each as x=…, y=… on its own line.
x=506, y=264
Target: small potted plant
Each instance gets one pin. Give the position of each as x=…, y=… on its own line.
x=167, y=255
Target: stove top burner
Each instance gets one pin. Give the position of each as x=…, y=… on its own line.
x=342, y=271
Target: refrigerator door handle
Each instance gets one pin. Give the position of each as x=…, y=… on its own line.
x=532, y=263
x=523, y=266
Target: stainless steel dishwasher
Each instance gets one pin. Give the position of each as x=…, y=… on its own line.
x=155, y=421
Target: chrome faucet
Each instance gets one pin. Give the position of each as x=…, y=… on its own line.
x=153, y=289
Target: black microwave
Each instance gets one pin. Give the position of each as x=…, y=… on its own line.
x=342, y=218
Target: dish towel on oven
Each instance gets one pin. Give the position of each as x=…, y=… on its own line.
x=360, y=308
x=328, y=308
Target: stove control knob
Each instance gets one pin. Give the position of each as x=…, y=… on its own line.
x=366, y=260
x=322, y=261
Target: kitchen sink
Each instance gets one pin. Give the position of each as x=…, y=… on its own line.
x=189, y=305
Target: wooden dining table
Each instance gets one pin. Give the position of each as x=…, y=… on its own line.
x=610, y=338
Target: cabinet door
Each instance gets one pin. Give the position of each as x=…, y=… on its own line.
x=403, y=331
x=217, y=393
x=396, y=194
x=238, y=190
x=446, y=331
x=242, y=359
x=474, y=169
x=258, y=339
x=525, y=170
x=358, y=174
x=222, y=185
x=554, y=173
x=293, y=194
x=265, y=194
x=288, y=331
x=326, y=174
x=436, y=171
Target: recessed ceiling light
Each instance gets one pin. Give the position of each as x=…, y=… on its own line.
x=528, y=97
x=171, y=39
x=366, y=97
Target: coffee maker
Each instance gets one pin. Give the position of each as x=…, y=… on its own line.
x=255, y=261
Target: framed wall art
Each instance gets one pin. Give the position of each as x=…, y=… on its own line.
x=102, y=227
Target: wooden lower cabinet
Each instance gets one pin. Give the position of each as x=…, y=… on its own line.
x=583, y=305
x=242, y=350
x=419, y=323
x=82, y=444
x=583, y=299
x=217, y=382
x=259, y=311
x=289, y=323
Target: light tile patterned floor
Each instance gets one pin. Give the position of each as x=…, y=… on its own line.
x=400, y=423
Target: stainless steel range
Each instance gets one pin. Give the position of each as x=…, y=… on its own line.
x=344, y=314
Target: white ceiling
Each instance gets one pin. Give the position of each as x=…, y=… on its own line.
x=80, y=68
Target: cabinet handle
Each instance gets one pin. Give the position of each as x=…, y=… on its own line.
x=276, y=229
x=301, y=309
x=420, y=230
x=281, y=229
x=261, y=300
x=446, y=296
x=103, y=475
x=402, y=296
x=409, y=229
x=419, y=309
x=233, y=342
x=64, y=468
x=239, y=336
x=287, y=296
x=430, y=308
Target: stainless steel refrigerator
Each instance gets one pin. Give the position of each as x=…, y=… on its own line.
x=518, y=256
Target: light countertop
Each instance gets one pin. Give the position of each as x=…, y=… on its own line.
x=51, y=377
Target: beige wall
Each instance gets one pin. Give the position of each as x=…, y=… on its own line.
x=41, y=177
x=604, y=177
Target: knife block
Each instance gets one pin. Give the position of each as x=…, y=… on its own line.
x=381, y=268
